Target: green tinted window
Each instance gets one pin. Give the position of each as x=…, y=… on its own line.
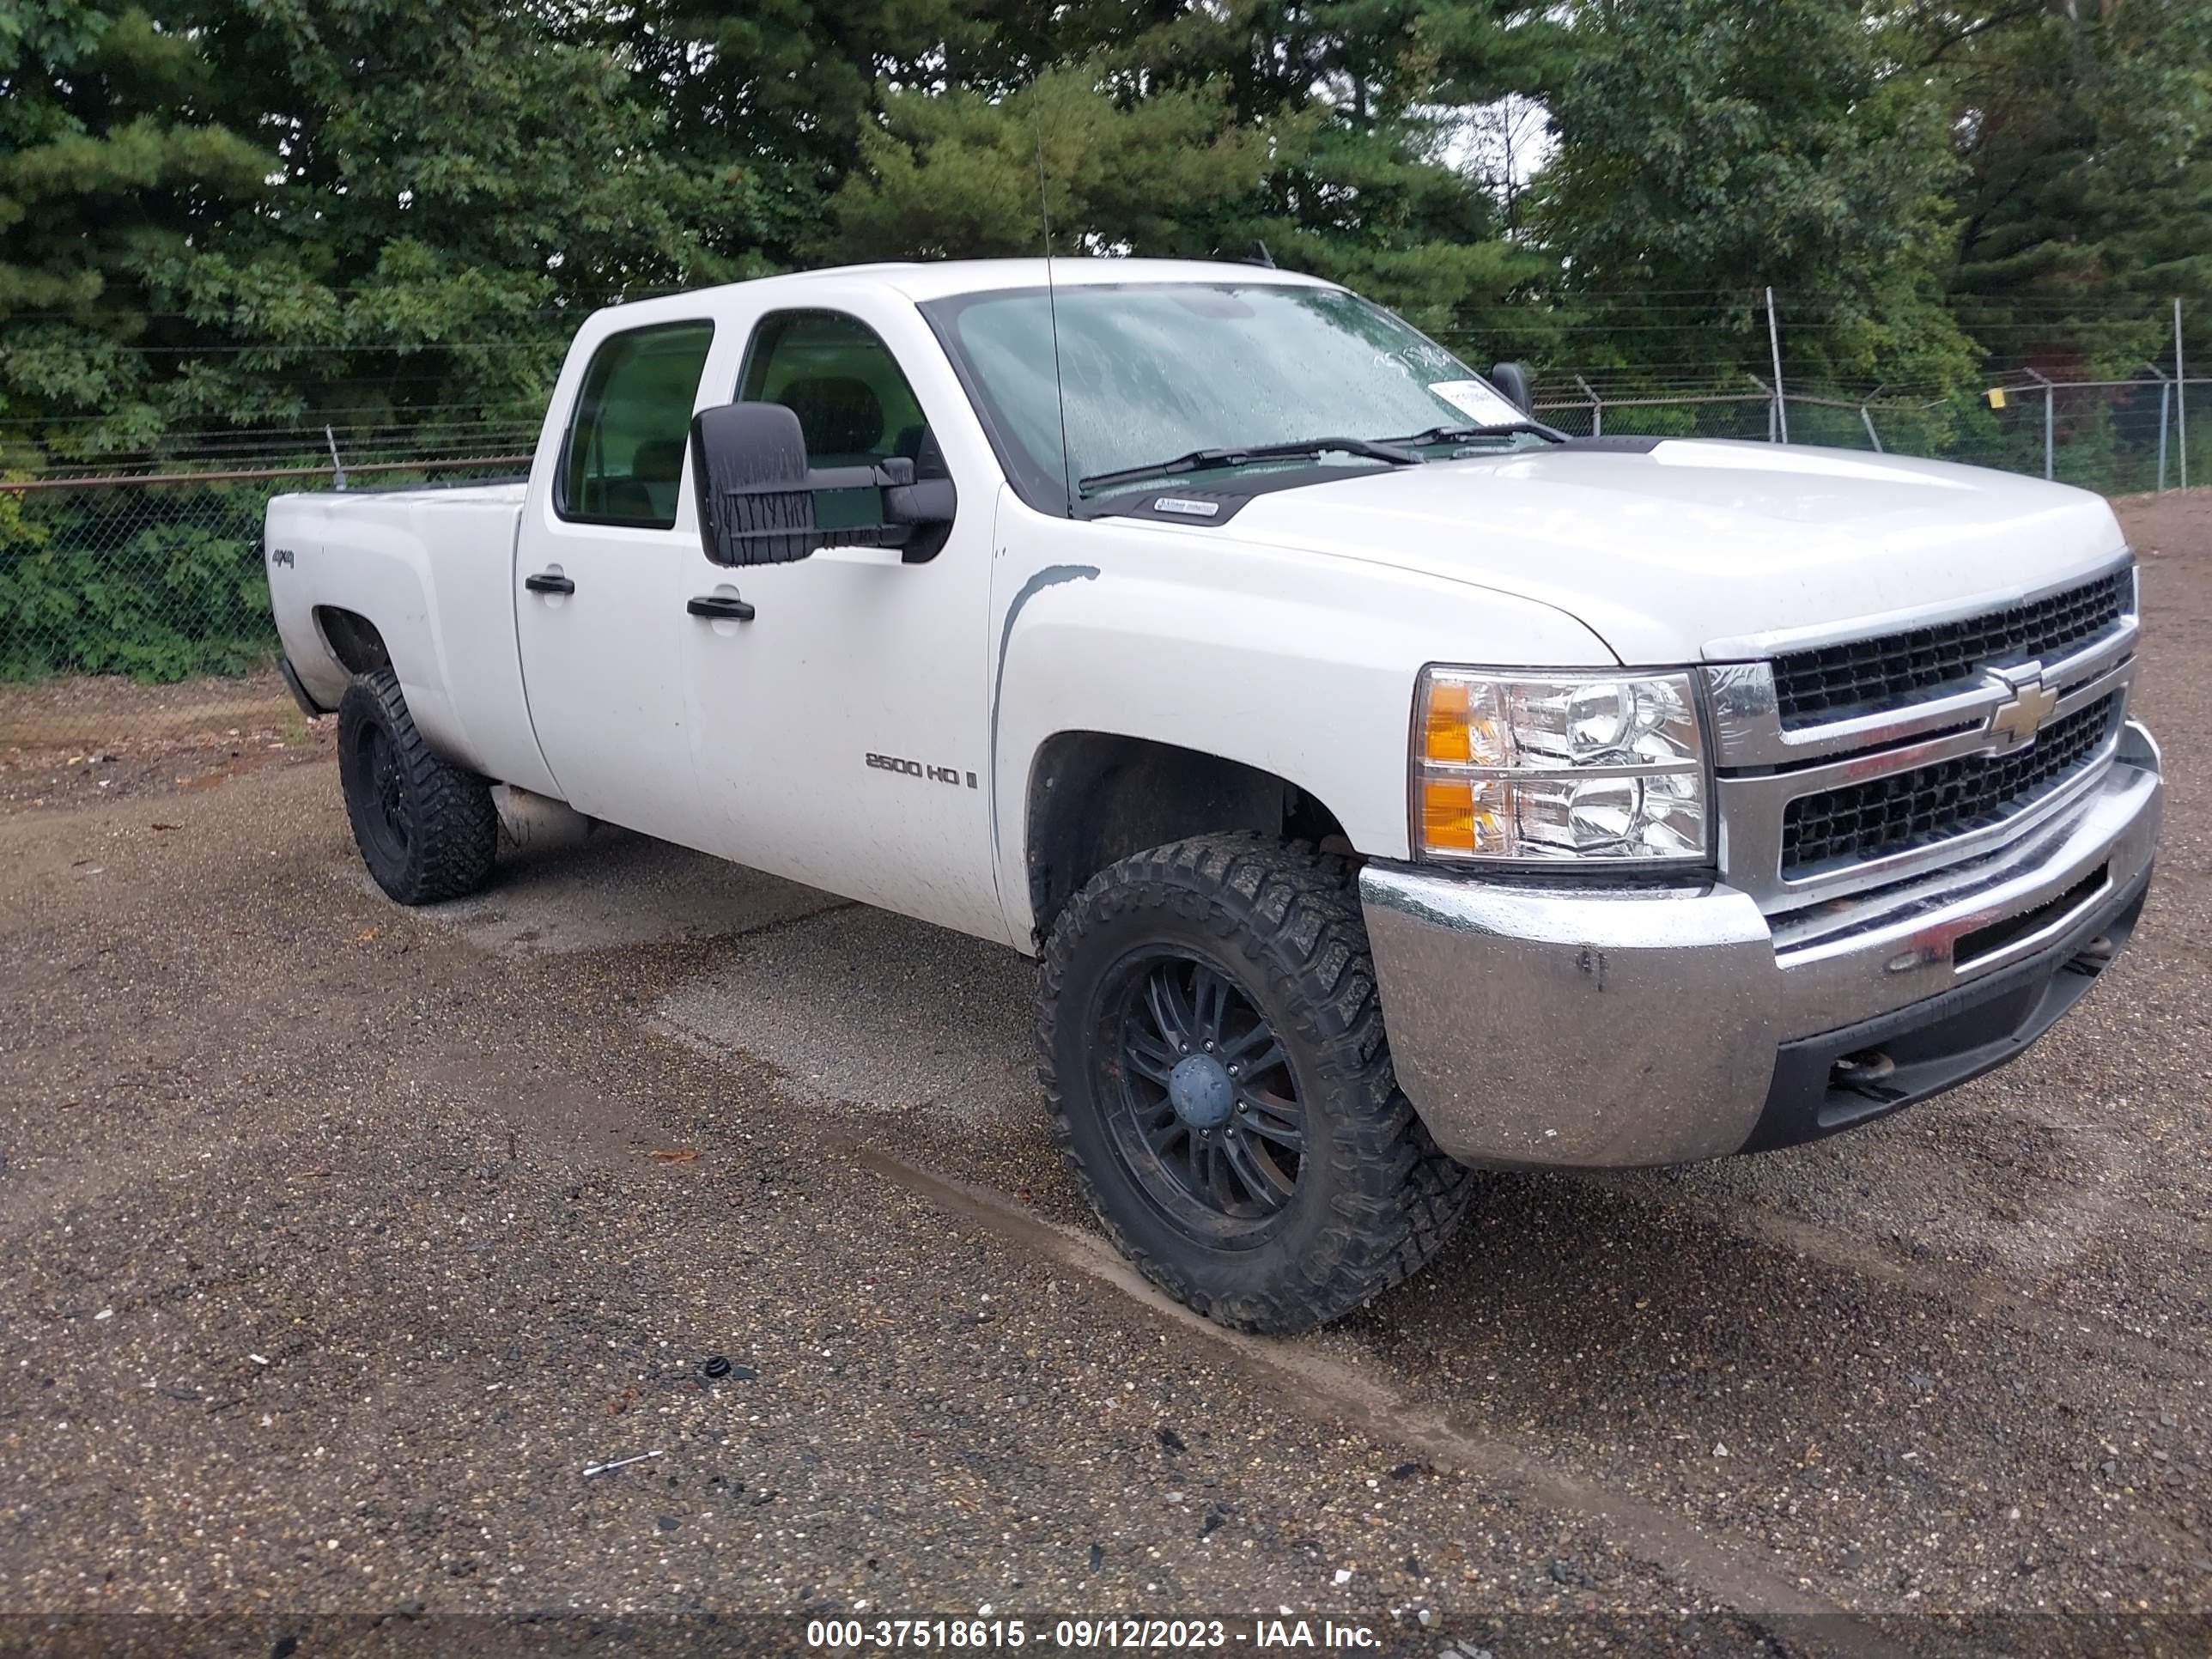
x=623, y=463
x=830, y=370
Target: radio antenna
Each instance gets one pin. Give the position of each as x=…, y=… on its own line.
x=1052, y=306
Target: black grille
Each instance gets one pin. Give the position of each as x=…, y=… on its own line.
x=1930, y=804
x=1838, y=681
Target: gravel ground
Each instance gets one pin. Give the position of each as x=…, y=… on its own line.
x=340, y=1241
x=68, y=742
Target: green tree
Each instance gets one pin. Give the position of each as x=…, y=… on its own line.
x=1360, y=100
x=778, y=98
x=963, y=173
x=1708, y=149
x=217, y=221
x=107, y=163
x=214, y=216
x=2085, y=137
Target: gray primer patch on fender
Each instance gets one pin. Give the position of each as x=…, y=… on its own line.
x=1051, y=576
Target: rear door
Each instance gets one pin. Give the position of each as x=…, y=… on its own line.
x=608, y=555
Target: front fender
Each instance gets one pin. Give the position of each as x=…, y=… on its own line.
x=1301, y=665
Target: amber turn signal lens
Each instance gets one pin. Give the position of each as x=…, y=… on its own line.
x=1445, y=734
x=1448, y=819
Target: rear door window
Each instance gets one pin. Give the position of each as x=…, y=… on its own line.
x=624, y=459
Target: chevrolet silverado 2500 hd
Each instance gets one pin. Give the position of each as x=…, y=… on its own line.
x=1388, y=784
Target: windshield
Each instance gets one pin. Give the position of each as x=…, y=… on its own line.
x=1157, y=370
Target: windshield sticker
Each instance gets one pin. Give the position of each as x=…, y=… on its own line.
x=1477, y=400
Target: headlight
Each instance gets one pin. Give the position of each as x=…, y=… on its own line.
x=1557, y=766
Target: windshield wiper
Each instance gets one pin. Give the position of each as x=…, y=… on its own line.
x=1460, y=435
x=1200, y=460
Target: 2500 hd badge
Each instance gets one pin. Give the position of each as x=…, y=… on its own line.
x=915, y=768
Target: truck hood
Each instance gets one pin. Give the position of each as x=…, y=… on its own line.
x=1671, y=555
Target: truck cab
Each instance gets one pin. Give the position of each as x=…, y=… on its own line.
x=1388, y=785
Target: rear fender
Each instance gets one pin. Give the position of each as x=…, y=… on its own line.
x=431, y=572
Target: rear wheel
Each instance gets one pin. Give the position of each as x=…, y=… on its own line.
x=1214, y=1052
x=426, y=828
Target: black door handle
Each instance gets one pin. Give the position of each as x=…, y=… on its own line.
x=546, y=582
x=721, y=607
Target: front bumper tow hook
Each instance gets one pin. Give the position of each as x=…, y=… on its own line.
x=2092, y=958
x=1862, y=1073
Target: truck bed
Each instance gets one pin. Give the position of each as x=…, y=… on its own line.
x=434, y=568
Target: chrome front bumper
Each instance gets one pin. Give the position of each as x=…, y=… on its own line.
x=1557, y=1022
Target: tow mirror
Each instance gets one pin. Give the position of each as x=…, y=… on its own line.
x=1514, y=380
x=761, y=503
x=749, y=467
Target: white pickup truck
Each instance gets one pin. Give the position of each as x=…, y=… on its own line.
x=1388, y=785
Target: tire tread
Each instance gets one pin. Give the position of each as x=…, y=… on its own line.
x=457, y=830
x=1403, y=1198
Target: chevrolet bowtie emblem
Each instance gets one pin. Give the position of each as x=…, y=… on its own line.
x=2016, y=721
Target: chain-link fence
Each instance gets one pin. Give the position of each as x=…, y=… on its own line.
x=158, y=577
x=2120, y=437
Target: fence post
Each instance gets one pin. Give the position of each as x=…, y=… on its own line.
x=1781, y=421
x=2181, y=396
x=337, y=466
x=1597, y=407
x=2043, y=380
x=1873, y=437
x=2164, y=396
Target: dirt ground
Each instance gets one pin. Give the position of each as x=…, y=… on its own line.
x=63, y=742
x=2179, y=521
x=346, y=1253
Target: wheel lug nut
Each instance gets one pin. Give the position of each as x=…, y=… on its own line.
x=1209, y=1048
x=1233, y=1071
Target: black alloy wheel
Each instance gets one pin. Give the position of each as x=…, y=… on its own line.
x=1212, y=1045
x=1204, y=1109
x=386, y=821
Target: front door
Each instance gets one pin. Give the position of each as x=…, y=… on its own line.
x=842, y=730
x=608, y=559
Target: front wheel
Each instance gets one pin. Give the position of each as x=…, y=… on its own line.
x=1214, y=1053
x=426, y=829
